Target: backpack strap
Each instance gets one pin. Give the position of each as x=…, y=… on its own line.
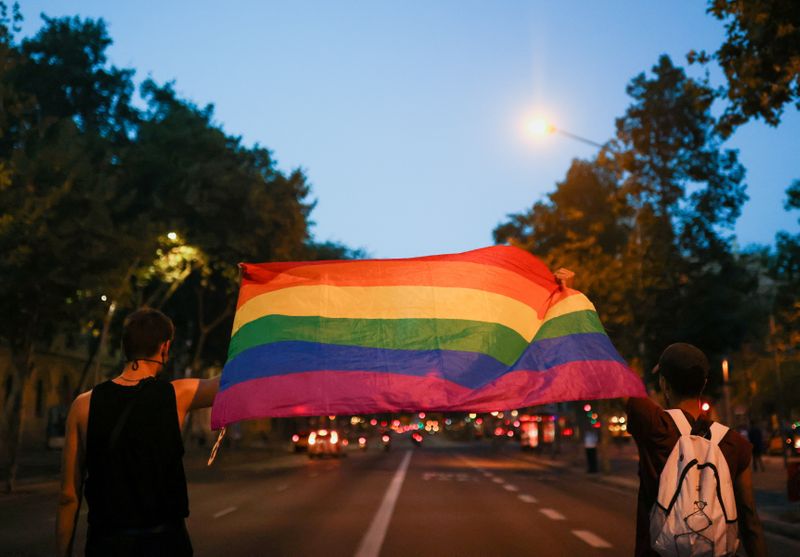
x=718, y=431
x=680, y=421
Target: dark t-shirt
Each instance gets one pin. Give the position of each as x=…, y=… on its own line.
x=656, y=434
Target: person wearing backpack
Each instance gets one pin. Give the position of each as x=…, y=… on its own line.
x=695, y=482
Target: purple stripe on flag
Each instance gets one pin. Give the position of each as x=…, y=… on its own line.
x=365, y=392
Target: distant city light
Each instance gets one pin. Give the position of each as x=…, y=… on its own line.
x=172, y=236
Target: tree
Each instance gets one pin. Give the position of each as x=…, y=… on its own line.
x=227, y=202
x=60, y=143
x=585, y=226
x=645, y=223
x=687, y=191
x=760, y=58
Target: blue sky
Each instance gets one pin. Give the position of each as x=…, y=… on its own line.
x=409, y=116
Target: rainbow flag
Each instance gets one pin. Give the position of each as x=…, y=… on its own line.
x=478, y=331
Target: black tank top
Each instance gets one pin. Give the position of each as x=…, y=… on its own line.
x=139, y=482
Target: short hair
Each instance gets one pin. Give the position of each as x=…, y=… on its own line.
x=685, y=368
x=144, y=331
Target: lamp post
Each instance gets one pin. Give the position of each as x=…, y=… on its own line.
x=543, y=127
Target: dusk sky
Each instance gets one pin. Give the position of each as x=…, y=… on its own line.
x=409, y=116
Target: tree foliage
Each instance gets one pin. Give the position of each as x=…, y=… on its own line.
x=646, y=224
x=760, y=58
x=104, y=206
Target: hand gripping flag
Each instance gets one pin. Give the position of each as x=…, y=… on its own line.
x=478, y=331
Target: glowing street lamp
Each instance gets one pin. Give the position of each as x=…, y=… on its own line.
x=541, y=127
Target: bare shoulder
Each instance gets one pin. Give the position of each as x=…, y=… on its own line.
x=80, y=406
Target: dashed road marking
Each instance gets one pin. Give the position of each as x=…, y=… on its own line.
x=282, y=487
x=497, y=480
x=592, y=539
x=552, y=514
x=223, y=512
x=527, y=498
x=509, y=487
x=313, y=475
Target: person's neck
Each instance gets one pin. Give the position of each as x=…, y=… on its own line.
x=143, y=371
x=690, y=405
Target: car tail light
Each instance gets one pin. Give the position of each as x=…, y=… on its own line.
x=385, y=438
x=295, y=438
x=362, y=440
x=334, y=437
x=312, y=438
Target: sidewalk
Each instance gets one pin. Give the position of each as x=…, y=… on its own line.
x=41, y=469
x=777, y=513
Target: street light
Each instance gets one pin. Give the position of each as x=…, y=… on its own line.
x=726, y=391
x=541, y=127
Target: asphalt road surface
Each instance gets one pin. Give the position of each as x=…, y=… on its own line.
x=443, y=499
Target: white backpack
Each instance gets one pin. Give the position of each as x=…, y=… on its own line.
x=695, y=513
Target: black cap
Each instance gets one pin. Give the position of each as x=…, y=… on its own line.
x=683, y=363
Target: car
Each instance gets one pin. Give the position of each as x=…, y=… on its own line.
x=324, y=442
x=300, y=441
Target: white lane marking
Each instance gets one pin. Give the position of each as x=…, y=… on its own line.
x=488, y=475
x=373, y=540
x=509, y=487
x=497, y=480
x=552, y=514
x=282, y=487
x=223, y=512
x=527, y=498
x=591, y=538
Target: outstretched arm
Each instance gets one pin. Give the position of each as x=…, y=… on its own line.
x=191, y=394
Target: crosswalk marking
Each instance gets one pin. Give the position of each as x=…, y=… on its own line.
x=509, y=487
x=592, y=539
x=527, y=498
x=552, y=514
x=223, y=512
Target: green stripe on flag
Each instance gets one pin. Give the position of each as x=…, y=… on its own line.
x=585, y=321
x=492, y=339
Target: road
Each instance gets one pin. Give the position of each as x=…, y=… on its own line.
x=442, y=499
